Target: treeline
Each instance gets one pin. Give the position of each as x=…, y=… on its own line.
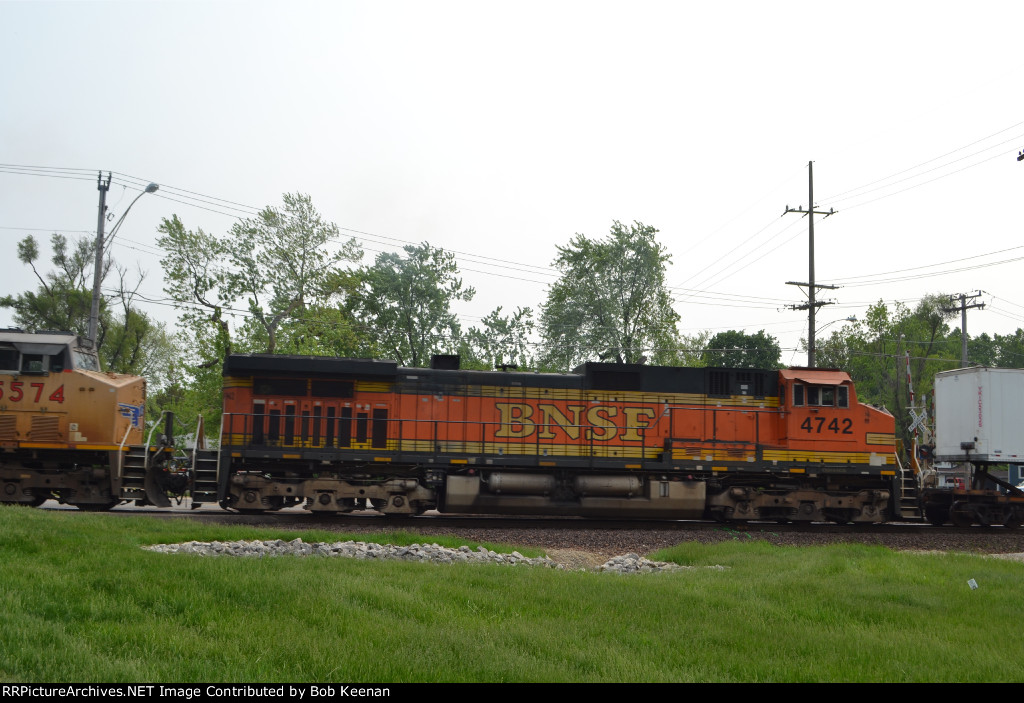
x=287, y=282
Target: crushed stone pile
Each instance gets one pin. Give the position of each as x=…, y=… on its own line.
x=625, y=564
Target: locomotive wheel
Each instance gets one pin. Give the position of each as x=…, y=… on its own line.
x=959, y=517
x=38, y=500
x=937, y=515
x=1012, y=520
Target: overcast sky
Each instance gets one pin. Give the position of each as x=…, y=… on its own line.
x=498, y=130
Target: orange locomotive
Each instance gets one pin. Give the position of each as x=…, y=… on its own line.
x=608, y=440
x=71, y=432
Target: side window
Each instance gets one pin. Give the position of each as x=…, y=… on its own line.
x=32, y=363
x=9, y=359
x=828, y=395
x=844, y=397
x=86, y=361
x=57, y=362
x=812, y=395
x=798, y=394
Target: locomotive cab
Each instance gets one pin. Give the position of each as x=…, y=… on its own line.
x=65, y=426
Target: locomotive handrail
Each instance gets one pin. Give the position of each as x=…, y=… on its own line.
x=120, y=452
x=445, y=438
x=195, y=445
x=220, y=448
x=149, y=440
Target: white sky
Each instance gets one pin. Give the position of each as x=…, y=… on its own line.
x=501, y=129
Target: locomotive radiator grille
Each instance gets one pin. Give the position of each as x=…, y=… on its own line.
x=8, y=428
x=45, y=429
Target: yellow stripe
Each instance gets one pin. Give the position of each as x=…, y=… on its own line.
x=825, y=457
x=382, y=458
x=797, y=471
x=538, y=393
x=702, y=454
x=880, y=438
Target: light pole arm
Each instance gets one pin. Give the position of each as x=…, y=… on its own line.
x=101, y=242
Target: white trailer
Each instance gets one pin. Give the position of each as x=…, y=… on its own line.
x=979, y=415
x=979, y=420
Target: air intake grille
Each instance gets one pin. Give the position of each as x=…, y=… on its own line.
x=45, y=429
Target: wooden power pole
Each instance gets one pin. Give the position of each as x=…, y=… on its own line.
x=812, y=305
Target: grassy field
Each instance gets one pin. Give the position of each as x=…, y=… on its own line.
x=80, y=601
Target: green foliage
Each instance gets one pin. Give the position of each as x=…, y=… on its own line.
x=691, y=349
x=741, y=350
x=280, y=262
x=129, y=341
x=611, y=302
x=502, y=339
x=874, y=350
x=403, y=304
x=281, y=267
x=82, y=602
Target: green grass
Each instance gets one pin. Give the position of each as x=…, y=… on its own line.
x=79, y=601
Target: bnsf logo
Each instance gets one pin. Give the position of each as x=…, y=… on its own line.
x=600, y=423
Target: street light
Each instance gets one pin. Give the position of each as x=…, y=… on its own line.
x=851, y=318
x=101, y=242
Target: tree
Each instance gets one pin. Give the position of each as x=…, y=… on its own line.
x=874, y=351
x=277, y=270
x=741, y=350
x=276, y=265
x=404, y=304
x=128, y=341
x=501, y=340
x=611, y=301
x=691, y=349
x=281, y=262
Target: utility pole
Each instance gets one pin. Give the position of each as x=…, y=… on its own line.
x=97, y=274
x=812, y=305
x=963, y=308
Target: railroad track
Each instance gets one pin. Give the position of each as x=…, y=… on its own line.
x=603, y=536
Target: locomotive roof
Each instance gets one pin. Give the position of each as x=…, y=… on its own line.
x=62, y=338
x=589, y=376
x=307, y=365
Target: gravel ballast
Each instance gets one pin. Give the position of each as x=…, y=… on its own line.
x=627, y=563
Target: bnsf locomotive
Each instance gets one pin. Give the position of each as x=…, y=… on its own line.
x=338, y=435
x=608, y=440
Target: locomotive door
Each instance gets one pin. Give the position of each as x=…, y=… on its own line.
x=367, y=424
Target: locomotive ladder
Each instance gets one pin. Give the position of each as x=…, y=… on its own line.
x=909, y=506
x=204, y=476
x=133, y=473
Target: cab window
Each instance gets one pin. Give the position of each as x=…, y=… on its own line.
x=828, y=395
x=33, y=363
x=9, y=359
